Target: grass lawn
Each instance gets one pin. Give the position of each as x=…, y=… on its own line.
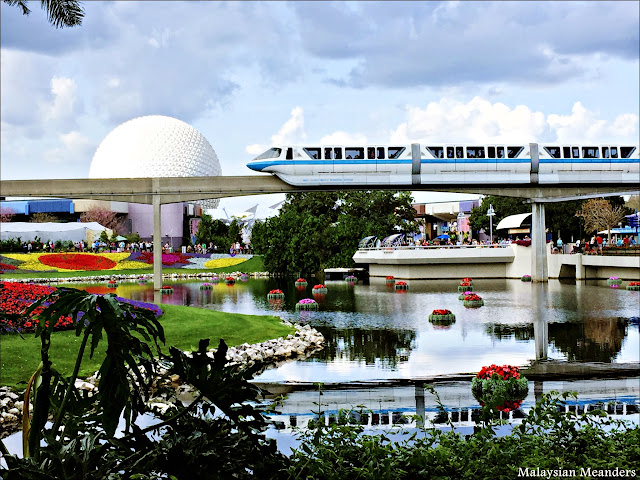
x=254, y=264
x=183, y=326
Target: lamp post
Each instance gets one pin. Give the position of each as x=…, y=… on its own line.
x=460, y=218
x=490, y=213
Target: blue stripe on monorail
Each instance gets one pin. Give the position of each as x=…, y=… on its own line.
x=446, y=161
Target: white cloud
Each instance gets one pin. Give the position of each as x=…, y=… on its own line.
x=76, y=148
x=292, y=132
x=484, y=122
x=64, y=106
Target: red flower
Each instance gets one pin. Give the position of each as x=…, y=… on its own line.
x=466, y=279
x=441, y=311
x=465, y=284
x=277, y=291
x=634, y=284
x=400, y=282
x=77, y=261
x=6, y=266
x=472, y=297
x=390, y=277
x=300, y=280
x=319, y=286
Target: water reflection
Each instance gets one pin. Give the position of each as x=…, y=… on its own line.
x=374, y=333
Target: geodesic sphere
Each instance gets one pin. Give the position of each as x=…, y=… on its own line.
x=155, y=146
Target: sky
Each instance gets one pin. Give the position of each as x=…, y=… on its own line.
x=249, y=75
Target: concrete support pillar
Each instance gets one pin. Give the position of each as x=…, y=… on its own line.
x=539, y=272
x=157, y=242
x=580, y=273
x=540, y=324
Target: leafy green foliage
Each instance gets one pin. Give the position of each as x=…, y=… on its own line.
x=217, y=232
x=316, y=230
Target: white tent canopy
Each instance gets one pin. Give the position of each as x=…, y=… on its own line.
x=513, y=221
x=74, y=231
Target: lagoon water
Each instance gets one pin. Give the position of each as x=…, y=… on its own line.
x=375, y=333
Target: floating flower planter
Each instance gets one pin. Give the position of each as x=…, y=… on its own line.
x=613, y=281
x=465, y=287
x=390, y=279
x=307, y=304
x=215, y=280
x=442, y=317
x=301, y=282
x=206, y=286
x=472, y=301
x=526, y=278
x=466, y=280
x=350, y=279
x=319, y=289
x=464, y=294
x=244, y=277
x=500, y=387
x=112, y=284
x=400, y=285
x=166, y=289
x=635, y=286
x=229, y=280
x=276, y=294
x=142, y=281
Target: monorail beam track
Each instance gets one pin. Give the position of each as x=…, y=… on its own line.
x=184, y=189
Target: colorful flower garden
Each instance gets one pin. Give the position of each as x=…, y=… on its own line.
x=72, y=262
x=16, y=297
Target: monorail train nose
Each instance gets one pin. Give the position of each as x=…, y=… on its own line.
x=258, y=166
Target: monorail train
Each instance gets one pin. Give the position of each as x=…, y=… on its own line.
x=449, y=164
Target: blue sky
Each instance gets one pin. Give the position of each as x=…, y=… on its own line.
x=251, y=74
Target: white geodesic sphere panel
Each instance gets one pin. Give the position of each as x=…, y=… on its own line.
x=155, y=146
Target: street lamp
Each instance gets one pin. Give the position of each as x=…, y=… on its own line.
x=460, y=217
x=490, y=213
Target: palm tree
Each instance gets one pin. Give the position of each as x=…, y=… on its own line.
x=62, y=13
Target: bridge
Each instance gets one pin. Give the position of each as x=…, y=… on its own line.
x=164, y=190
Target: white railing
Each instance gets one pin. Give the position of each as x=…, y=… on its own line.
x=433, y=247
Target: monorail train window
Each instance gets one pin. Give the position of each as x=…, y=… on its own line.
x=459, y=153
x=500, y=152
x=480, y=152
x=289, y=153
x=371, y=153
x=271, y=153
x=491, y=152
x=625, y=152
x=328, y=153
x=475, y=152
x=566, y=152
x=395, y=152
x=554, y=152
x=337, y=153
x=605, y=152
x=575, y=152
x=449, y=152
x=513, y=152
x=380, y=153
x=437, y=152
x=590, y=152
x=354, y=152
x=313, y=152
x=614, y=152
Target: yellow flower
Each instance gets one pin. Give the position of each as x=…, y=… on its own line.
x=223, y=262
x=30, y=261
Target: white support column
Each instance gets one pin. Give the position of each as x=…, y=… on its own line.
x=157, y=240
x=580, y=273
x=539, y=272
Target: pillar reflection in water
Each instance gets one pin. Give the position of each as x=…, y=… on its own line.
x=540, y=325
x=420, y=408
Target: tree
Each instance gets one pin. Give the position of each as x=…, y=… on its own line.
x=599, y=214
x=6, y=214
x=104, y=217
x=316, y=230
x=61, y=13
x=217, y=232
x=43, y=217
x=503, y=206
x=633, y=203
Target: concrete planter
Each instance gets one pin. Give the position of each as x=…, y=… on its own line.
x=465, y=288
x=473, y=303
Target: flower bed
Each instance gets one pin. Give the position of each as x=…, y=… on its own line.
x=442, y=316
x=223, y=262
x=319, y=289
x=16, y=297
x=230, y=280
x=635, y=286
x=613, y=281
x=400, y=285
x=77, y=261
x=350, y=279
x=464, y=294
x=526, y=278
x=301, y=282
x=465, y=287
x=206, y=286
x=390, y=279
x=500, y=387
x=276, y=294
x=473, y=301
x=307, y=304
